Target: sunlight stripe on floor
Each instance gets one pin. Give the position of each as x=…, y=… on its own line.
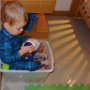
x=63, y=40
x=60, y=27
x=53, y=22
x=73, y=67
x=76, y=63
x=60, y=34
x=64, y=50
x=80, y=72
x=69, y=58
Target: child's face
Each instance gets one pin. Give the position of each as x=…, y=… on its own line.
x=15, y=29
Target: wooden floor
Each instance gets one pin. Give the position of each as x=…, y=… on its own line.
x=70, y=41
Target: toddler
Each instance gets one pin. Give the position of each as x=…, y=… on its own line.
x=12, y=51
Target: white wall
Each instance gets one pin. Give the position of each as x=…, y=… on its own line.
x=63, y=5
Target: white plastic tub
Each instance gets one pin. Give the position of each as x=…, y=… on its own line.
x=17, y=76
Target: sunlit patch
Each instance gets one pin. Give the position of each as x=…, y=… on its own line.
x=70, y=57
x=60, y=34
x=53, y=22
x=63, y=40
x=69, y=81
x=60, y=27
x=65, y=49
x=80, y=72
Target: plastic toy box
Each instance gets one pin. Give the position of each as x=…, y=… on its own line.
x=24, y=76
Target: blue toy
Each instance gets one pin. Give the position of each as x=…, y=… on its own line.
x=31, y=18
x=29, y=57
x=40, y=57
x=27, y=44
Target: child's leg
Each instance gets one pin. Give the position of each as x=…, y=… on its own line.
x=24, y=65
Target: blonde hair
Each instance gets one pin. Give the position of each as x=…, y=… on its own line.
x=12, y=11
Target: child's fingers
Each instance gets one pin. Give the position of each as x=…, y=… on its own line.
x=31, y=49
x=27, y=47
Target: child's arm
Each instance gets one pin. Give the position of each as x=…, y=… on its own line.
x=23, y=38
x=7, y=55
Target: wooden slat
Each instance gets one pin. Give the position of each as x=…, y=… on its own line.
x=86, y=19
x=84, y=12
x=74, y=7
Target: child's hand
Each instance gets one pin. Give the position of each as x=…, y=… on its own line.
x=26, y=49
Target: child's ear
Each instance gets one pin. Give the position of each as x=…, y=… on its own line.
x=6, y=25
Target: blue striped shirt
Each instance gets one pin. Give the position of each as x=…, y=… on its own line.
x=9, y=52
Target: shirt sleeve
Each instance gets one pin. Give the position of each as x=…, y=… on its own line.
x=23, y=38
x=7, y=55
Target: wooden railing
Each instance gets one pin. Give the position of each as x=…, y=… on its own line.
x=85, y=11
